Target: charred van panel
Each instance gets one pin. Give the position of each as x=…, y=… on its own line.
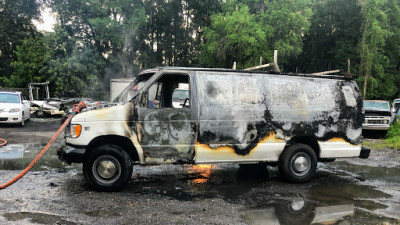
x=241, y=111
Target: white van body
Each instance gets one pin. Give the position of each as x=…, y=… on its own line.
x=231, y=117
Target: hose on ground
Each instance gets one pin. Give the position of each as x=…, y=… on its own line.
x=3, y=142
x=19, y=176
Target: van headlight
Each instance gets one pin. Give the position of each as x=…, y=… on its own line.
x=76, y=130
x=14, y=110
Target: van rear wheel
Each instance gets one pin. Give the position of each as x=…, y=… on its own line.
x=107, y=168
x=298, y=163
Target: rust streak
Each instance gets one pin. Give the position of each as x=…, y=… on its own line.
x=271, y=138
x=336, y=139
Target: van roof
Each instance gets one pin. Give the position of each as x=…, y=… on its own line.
x=154, y=70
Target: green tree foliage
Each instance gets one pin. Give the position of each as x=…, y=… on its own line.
x=15, y=26
x=234, y=35
x=30, y=63
x=286, y=21
x=73, y=68
x=392, y=48
x=374, y=34
x=244, y=32
x=93, y=42
x=96, y=40
x=333, y=37
x=173, y=31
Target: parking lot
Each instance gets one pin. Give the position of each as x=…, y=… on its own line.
x=348, y=191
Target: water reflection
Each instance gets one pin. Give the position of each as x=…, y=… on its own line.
x=203, y=171
x=19, y=156
x=12, y=151
x=298, y=211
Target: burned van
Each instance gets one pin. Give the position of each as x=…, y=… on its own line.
x=230, y=116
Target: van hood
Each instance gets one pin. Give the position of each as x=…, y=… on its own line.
x=381, y=112
x=114, y=113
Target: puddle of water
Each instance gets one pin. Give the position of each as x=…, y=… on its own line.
x=102, y=213
x=285, y=213
x=345, y=193
x=41, y=218
x=187, y=182
x=269, y=201
x=18, y=158
x=14, y=151
x=369, y=172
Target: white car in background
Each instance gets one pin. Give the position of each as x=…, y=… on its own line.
x=14, y=108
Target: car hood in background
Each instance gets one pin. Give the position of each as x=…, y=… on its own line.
x=7, y=106
x=382, y=112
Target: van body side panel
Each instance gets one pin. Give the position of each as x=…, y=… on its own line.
x=338, y=149
x=238, y=111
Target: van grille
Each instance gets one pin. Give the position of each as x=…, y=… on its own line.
x=375, y=121
x=3, y=119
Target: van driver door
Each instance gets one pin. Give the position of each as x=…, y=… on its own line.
x=167, y=120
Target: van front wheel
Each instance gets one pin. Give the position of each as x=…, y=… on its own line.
x=298, y=163
x=107, y=168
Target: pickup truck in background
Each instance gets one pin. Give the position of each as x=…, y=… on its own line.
x=378, y=115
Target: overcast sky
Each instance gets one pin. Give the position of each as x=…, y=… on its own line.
x=48, y=21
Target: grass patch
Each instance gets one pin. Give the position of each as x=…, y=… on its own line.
x=393, y=136
x=392, y=139
x=376, y=145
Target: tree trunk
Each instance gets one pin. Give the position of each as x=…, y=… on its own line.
x=365, y=86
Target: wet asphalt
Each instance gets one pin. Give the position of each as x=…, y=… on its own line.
x=347, y=191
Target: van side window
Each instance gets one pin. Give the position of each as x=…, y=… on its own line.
x=170, y=91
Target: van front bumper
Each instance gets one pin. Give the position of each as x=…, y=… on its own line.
x=71, y=155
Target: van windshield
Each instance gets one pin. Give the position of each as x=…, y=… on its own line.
x=130, y=92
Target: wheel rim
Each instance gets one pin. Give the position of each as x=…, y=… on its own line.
x=106, y=169
x=39, y=113
x=297, y=205
x=300, y=164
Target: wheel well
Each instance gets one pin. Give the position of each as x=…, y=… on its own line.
x=310, y=141
x=120, y=141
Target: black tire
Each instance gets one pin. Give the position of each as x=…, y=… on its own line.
x=298, y=163
x=107, y=168
x=40, y=114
